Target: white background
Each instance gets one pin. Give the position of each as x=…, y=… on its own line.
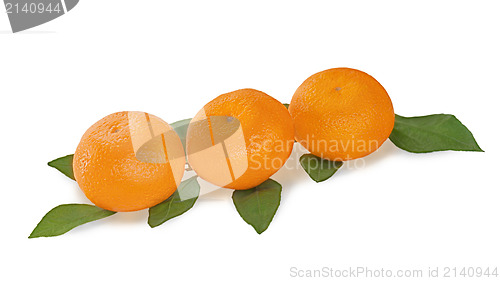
x=395, y=211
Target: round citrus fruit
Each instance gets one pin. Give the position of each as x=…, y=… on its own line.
x=239, y=139
x=129, y=161
x=341, y=114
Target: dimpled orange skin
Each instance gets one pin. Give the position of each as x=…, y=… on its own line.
x=345, y=107
x=109, y=174
x=266, y=125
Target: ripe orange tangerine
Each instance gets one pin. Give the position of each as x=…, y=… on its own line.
x=129, y=161
x=341, y=114
x=239, y=139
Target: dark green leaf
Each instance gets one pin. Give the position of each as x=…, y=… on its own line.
x=286, y=105
x=317, y=168
x=64, y=165
x=63, y=218
x=180, y=202
x=180, y=127
x=258, y=205
x=430, y=133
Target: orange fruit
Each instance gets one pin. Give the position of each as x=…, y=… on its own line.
x=129, y=161
x=341, y=114
x=239, y=139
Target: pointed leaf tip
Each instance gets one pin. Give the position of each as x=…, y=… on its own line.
x=177, y=204
x=63, y=218
x=64, y=165
x=319, y=169
x=437, y=132
x=257, y=206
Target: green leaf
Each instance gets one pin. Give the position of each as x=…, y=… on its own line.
x=180, y=127
x=317, y=168
x=180, y=202
x=430, y=133
x=64, y=165
x=286, y=105
x=258, y=205
x=63, y=218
